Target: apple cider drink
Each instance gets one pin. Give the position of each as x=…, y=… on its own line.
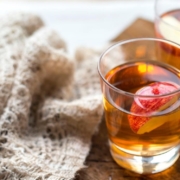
x=143, y=125
x=167, y=26
x=141, y=96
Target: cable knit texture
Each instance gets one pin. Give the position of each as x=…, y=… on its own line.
x=50, y=103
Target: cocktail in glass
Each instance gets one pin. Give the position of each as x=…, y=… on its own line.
x=141, y=102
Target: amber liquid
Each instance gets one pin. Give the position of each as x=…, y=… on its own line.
x=169, y=54
x=131, y=77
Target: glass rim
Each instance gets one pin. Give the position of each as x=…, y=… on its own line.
x=159, y=17
x=130, y=41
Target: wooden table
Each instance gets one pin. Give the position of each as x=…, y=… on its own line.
x=100, y=165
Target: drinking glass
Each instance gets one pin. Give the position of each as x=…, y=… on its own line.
x=167, y=23
x=141, y=102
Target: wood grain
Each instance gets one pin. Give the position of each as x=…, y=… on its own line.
x=100, y=165
x=138, y=29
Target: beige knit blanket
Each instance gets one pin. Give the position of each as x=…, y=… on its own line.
x=50, y=103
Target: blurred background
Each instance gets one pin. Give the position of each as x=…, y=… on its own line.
x=85, y=22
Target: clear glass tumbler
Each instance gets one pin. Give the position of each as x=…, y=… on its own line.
x=167, y=24
x=142, y=104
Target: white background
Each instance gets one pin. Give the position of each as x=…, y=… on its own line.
x=86, y=23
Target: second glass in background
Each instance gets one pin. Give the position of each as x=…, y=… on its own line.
x=167, y=26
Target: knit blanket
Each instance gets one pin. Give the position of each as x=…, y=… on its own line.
x=50, y=101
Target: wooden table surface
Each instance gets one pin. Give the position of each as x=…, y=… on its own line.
x=100, y=165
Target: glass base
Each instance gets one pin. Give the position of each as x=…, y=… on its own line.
x=144, y=164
